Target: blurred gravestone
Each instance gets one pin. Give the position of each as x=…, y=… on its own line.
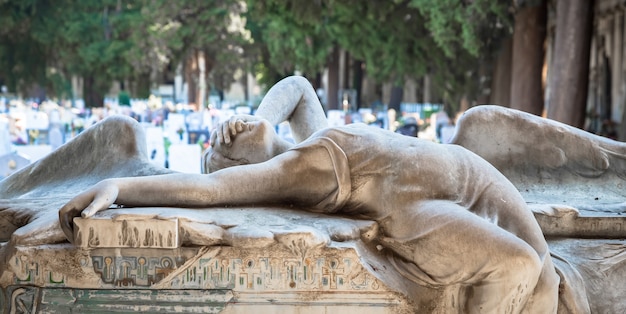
x=156, y=147
x=37, y=124
x=34, y=152
x=12, y=162
x=336, y=118
x=55, y=137
x=194, y=121
x=446, y=133
x=185, y=158
x=5, y=137
x=175, y=128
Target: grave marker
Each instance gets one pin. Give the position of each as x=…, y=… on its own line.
x=185, y=158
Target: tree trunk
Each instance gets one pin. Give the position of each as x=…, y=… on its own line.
x=332, y=94
x=569, y=74
x=501, y=82
x=93, y=96
x=345, y=84
x=529, y=37
x=142, y=89
x=201, y=92
x=396, y=98
x=357, y=81
x=317, y=82
x=427, y=98
x=191, y=77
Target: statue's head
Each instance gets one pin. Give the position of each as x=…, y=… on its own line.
x=254, y=144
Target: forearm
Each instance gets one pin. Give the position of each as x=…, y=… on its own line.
x=292, y=177
x=175, y=190
x=293, y=99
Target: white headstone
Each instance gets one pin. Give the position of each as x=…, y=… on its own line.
x=185, y=158
x=55, y=137
x=336, y=117
x=207, y=120
x=194, y=121
x=5, y=136
x=33, y=152
x=36, y=120
x=12, y=162
x=54, y=117
x=156, y=148
x=173, y=126
x=446, y=133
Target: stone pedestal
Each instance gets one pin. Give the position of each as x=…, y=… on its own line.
x=128, y=263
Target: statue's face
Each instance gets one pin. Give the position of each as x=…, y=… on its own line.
x=250, y=146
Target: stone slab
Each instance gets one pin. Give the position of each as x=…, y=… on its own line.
x=607, y=227
x=133, y=233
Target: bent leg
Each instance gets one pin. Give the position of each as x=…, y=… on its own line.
x=449, y=245
x=546, y=294
x=294, y=99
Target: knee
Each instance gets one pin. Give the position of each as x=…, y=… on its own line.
x=521, y=265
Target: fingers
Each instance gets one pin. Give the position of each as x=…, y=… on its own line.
x=223, y=133
x=66, y=220
x=73, y=209
x=98, y=204
x=229, y=129
x=105, y=194
x=232, y=126
x=213, y=138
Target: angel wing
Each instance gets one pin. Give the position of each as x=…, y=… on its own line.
x=115, y=147
x=548, y=161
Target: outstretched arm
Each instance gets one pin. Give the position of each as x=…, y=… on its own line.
x=292, y=99
x=286, y=179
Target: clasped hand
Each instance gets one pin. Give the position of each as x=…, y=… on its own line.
x=225, y=132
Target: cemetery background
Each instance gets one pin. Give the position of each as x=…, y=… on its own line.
x=176, y=134
x=418, y=51
x=504, y=52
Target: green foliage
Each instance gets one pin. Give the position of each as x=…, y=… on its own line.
x=447, y=39
x=175, y=29
x=19, y=53
x=49, y=41
x=291, y=35
x=46, y=42
x=389, y=37
x=471, y=25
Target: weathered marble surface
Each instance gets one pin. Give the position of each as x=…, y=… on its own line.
x=225, y=259
x=573, y=180
x=231, y=260
x=30, y=198
x=240, y=259
x=574, y=183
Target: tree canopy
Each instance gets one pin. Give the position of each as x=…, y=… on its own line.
x=396, y=40
x=46, y=42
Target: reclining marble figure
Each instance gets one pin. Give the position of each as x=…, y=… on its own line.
x=426, y=198
x=446, y=216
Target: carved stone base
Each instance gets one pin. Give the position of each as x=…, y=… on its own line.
x=63, y=278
